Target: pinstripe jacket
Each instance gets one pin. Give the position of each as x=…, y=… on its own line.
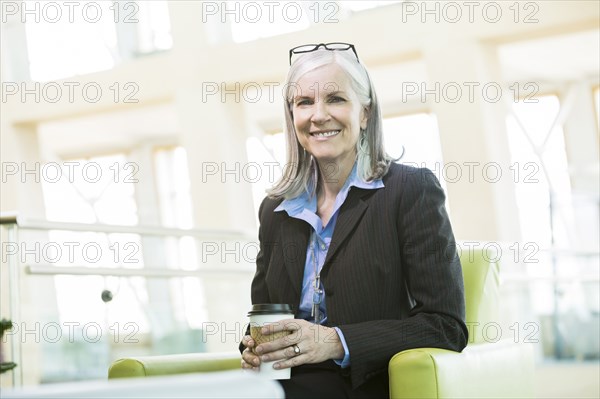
x=392, y=276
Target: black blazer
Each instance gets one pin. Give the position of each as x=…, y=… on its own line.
x=392, y=276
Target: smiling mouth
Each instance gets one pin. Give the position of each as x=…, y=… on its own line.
x=324, y=134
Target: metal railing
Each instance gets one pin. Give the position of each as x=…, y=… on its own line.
x=12, y=224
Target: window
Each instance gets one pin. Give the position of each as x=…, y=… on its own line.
x=89, y=191
x=597, y=102
x=173, y=187
x=70, y=39
x=269, y=155
x=415, y=139
x=62, y=49
x=154, y=27
x=539, y=177
x=563, y=281
x=356, y=6
x=255, y=20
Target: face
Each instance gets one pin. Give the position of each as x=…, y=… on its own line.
x=327, y=115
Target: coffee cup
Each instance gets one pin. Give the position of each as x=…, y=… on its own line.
x=268, y=313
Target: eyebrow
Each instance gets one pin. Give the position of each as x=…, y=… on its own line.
x=298, y=98
x=333, y=93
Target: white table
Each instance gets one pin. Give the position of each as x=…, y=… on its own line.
x=227, y=384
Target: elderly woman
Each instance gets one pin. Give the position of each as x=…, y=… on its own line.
x=361, y=246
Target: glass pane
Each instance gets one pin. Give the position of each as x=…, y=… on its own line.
x=154, y=26
x=530, y=125
x=597, y=102
x=562, y=281
x=64, y=41
x=173, y=185
x=365, y=5
x=254, y=20
x=268, y=157
x=414, y=138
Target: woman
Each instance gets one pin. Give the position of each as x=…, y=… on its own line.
x=361, y=246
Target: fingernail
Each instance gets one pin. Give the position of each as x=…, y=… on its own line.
x=264, y=358
x=276, y=366
x=256, y=362
x=259, y=349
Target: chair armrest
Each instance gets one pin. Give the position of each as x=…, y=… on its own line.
x=174, y=364
x=502, y=369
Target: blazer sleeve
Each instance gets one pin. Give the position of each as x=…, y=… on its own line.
x=433, y=278
x=259, y=291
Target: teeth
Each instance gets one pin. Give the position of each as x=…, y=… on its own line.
x=326, y=134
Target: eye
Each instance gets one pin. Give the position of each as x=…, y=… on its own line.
x=303, y=102
x=336, y=99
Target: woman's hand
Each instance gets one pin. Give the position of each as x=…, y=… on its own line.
x=250, y=361
x=315, y=343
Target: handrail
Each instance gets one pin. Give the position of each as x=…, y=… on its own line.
x=127, y=272
x=8, y=218
x=514, y=277
x=48, y=270
x=32, y=224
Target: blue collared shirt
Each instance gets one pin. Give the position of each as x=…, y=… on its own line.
x=304, y=207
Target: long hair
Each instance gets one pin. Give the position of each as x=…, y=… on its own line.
x=301, y=173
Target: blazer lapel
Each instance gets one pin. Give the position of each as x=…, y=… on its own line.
x=295, y=234
x=350, y=214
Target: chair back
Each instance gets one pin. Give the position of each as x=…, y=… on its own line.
x=482, y=293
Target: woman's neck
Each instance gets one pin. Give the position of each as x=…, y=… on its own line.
x=333, y=176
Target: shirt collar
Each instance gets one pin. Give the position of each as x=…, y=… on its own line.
x=307, y=202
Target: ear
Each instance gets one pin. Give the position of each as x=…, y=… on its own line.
x=364, y=117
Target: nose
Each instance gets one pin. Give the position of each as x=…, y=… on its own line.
x=320, y=114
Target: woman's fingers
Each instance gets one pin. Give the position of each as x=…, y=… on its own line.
x=292, y=362
x=249, y=359
x=283, y=325
x=247, y=341
x=295, y=328
x=285, y=353
x=315, y=344
x=275, y=345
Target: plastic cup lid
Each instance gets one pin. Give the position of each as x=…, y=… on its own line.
x=270, y=308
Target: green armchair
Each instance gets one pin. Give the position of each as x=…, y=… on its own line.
x=483, y=370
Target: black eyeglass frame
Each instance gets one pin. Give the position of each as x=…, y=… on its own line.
x=324, y=45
